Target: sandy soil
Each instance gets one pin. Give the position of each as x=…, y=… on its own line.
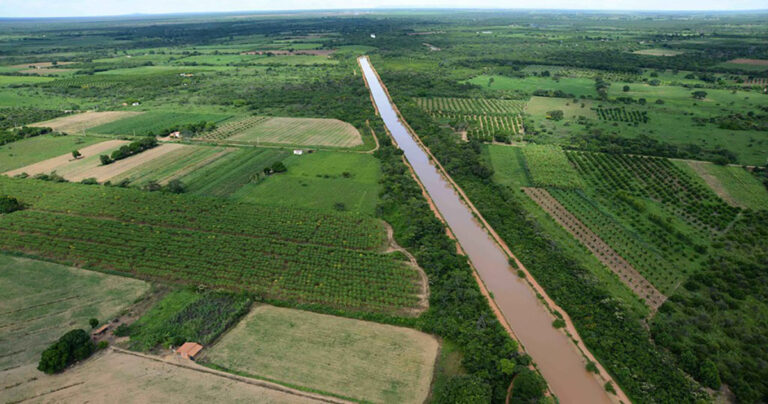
x=424, y=280
x=47, y=166
x=104, y=173
x=118, y=377
x=76, y=123
x=754, y=62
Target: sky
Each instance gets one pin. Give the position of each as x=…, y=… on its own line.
x=71, y=8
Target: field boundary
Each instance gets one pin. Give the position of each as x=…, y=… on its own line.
x=569, y=328
x=256, y=382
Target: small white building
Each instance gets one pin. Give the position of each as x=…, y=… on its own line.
x=298, y=152
x=175, y=135
x=136, y=104
x=373, y=36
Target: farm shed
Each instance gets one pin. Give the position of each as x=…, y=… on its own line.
x=100, y=330
x=298, y=152
x=189, y=350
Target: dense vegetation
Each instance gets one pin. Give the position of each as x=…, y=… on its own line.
x=72, y=347
x=129, y=150
x=187, y=315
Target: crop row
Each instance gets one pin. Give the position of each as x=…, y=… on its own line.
x=272, y=268
x=471, y=105
x=644, y=257
x=621, y=115
x=199, y=213
x=234, y=127
x=658, y=179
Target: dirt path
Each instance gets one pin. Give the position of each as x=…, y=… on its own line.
x=392, y=246
x=47, y=166
x=599, y=248
x=569, y=328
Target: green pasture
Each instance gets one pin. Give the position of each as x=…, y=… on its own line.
x=31, y=150
x=152, y=122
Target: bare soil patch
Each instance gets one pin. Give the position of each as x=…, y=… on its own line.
x=118, y=377
x=76, y=123
x=607, y=255
x=52, y=164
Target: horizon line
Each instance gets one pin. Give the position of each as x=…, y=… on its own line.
x=381, y=9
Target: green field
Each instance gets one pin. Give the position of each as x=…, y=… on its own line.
x=734, y=184
x=186, y=315
x=41, y=301
x=320, y=180
x=300, y=132
x=527, y=85
x=174, y=165
x=350, y=358
x=31, y=150
x=233, y=171
x=549, y=167
x=153, y=122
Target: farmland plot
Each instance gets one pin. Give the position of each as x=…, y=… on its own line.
x=175, y=164
x=154, y=123
x=77, y=123
x=549, y=167
x=287, y=254
x=733, y=184
x=482, y=118
x=89, y=160
x=41, y=301
x=115, y=376
x=229, y=173
x=607, y=255
x=352, y=358
x=300, y=131
x=31, y=150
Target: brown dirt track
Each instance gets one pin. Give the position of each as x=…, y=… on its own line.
x=599, y=248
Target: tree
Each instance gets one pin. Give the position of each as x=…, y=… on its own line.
x=699, y=95
x=555, y=115
x=152, y=186
x=529, y=386
x=279, y=167
x=105, y=159
x=73, y=346
x=9, y=204
x=463, y=390
x=76, y=154
x=93, y=322
x=625, y=89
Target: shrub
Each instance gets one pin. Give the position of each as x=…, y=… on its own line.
x=73, y=346
x=9, y=204
x=176, y=187
x=93, y=322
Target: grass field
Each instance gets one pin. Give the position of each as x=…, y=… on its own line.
x=301, y=132
x=232, y=171
x=31, y=150
x=733, y=184
x=152, y=123
x=77, y=123
x=320, y=180
x=352, y=358
x=120, y=377
x=527, y=85
x=540, y=106
x=658, y=52
x=173, y=165
x=41, y=301
x=549, y=167
x=65, y=165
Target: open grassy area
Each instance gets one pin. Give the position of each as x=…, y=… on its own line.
x=226, y=175
x=78, y=123
x=153, y=122
x=549, y=167
x=352, y=358
x=527, y=85
x=733, y=184
x=320, y=180
x=173, y=165
x=41, y=301
x=302, y=132
x=32, y=150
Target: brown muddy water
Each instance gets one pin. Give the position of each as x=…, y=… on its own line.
x=559, y=361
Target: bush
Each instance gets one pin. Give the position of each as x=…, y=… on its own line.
x=73, y=346
x=9, y=204
x=176, y=187
x=279, y=167
x=463, y=390
x=528, y=387
x=93, y=322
